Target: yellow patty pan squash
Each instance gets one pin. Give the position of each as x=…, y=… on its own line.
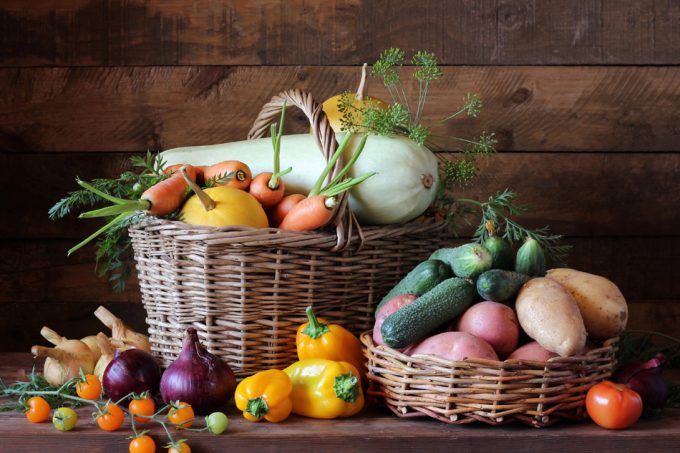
x=230, y=206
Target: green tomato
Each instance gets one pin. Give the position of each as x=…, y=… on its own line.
x=64, y=419
x=217, y=422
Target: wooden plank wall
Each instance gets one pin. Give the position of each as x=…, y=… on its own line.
x=584, y=96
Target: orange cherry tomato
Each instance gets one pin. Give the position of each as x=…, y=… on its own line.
x=613, y=406
x=38, y=409
x=181, y=414
x=112, y=418
x=142, y=444
x=183, y=448
x=142, y=406
x=90, y=388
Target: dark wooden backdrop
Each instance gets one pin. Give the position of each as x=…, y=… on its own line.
x=584, y=96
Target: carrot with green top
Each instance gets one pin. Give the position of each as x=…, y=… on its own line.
x=161, y=199
x=268, y=187
x=317, y=210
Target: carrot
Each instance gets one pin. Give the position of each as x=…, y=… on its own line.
x=268, y=187
x=281, y=209
x=177, y=167
x=317, y=209
x=166, y=196
x=161, y=199
x=238, y=173
x=309, y=214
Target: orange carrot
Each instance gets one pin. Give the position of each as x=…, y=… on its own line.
x=309, y=214
x=166, y=196
x=163, y=198
x=240, y=174
x=281, y=209
x=259, y=188
x=268, y=187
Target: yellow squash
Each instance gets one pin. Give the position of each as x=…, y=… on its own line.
x=231, y=207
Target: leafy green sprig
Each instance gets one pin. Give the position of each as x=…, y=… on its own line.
x=113, y=247
x=37, y=383
x=500, y=210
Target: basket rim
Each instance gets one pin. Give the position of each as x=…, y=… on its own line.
x=427, y=359
x=251, y=236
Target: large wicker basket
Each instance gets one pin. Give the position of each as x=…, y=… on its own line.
x=535, y=393
x=245, y=290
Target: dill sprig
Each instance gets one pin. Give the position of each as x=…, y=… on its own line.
x=500, y=209
x=113, y=247
x=36, y=383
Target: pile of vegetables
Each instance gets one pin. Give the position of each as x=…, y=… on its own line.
x=483, y=300
x=130, y=384
x=325, y=383
x=242, y=183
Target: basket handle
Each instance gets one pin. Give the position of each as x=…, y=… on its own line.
x=343, y=218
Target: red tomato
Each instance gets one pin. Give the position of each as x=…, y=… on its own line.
x=111, y=419
x=181, y=414
x=142, y=406
x=142, y=444
x=613, y=406
x=38, y=409
x=89, y=388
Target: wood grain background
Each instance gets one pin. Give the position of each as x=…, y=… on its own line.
x=584, y=96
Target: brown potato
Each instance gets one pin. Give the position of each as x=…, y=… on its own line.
x=603, y=307
x=549, y=314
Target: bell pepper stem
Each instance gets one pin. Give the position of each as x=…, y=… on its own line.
x=314, y=328
x=207, y=202
x=346, y=387
x=257, y=407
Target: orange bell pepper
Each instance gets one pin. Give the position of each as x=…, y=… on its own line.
x=266, y=394
x=316, y=339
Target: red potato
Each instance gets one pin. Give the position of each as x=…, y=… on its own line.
x=454, y=346
x=494, y=323
x=391, y=306
x=532, y=351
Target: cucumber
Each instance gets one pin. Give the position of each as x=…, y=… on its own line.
x=499, y=285
x=422, y=278
x=438, y=306
x=466, y=261
x=501, y=252
x=530, y=259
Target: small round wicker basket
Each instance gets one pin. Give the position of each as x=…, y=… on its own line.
x=494, y=392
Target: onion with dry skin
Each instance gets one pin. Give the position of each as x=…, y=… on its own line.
x=65, y=360
x=121, y=332
x=54, y=338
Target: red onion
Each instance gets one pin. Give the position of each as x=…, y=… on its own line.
x=198, y=378
x=645, y=378
x=133, y=370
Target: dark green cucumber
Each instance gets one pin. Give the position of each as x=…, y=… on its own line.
x=499, y=285
x=501, y=252
x=438, y=306
x=422, y=278
x=530, y=259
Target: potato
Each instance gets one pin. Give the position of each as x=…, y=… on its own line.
x=549, y=314
x=391, y=306
x=603, y=307
x=532, y=351
x=454, y=346
x=494, y=323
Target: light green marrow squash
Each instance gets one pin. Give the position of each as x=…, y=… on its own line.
x=403, y=188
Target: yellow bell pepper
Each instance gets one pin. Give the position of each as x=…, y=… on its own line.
x=266, y=394
x=316, y=339
x=325, y=388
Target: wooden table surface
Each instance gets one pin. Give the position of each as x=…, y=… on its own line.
x=374, y=430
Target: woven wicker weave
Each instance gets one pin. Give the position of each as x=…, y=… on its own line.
x=535, y=393
x=245, y=290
